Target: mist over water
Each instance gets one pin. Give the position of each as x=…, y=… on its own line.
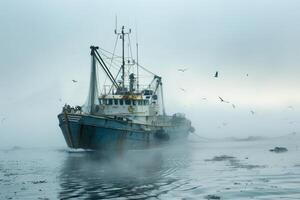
x=228, y=169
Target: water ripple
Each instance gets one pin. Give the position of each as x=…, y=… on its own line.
x=198, y=171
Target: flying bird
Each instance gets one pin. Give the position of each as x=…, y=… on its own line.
x=247, y=74
x=233, y=105
x=204, y=98
x=252, y=112
x=216, y=74
x=290, y=107
x=222, y=100
x=182, y=89
x=183, y=70
x=74, y=81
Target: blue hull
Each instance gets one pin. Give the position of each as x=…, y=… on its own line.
x=96, y=132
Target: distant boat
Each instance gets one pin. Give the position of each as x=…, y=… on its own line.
x=125, y=115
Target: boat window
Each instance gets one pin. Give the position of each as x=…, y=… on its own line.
x=116, y=101
x=121, y=102
x=148, y=92
x=110, y=101
x=134, y=102
x=104, y=101
x=100, y=101
x=140, y=102
x=146, y=102
x=128, y=102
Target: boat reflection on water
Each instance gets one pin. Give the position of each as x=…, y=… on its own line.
x=139, y=174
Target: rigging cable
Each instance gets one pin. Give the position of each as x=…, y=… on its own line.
x=111, y=61
x=116, y=56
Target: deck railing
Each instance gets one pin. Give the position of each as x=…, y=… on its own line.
x=109, y=89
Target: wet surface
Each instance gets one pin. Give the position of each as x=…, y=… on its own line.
x=196, y=170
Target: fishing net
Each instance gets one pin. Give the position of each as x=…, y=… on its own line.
x=92, y=99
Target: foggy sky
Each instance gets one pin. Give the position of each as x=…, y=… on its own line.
x=45, y=44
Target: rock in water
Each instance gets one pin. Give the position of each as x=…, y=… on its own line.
x=279, y=149
x=221, y=158
x=212, y=197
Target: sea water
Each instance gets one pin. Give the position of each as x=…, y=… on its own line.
x=198, y=169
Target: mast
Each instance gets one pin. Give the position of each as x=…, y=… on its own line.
x=123, y=59
x=137, y=67
x=122, y=36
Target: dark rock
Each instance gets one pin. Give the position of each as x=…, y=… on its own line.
x=279, y=150
x=212, y=197
x=221, y=158
x=38, y=182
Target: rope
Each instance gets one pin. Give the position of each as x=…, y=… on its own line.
x=147, y=70
x=114, y=62
x=109, y=52
x=130, y=46
x=121, y=57
x=200, y=137
x=111, y=60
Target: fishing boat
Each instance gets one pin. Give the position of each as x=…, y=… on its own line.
x=124, y=114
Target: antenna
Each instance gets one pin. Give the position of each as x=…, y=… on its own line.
x=137, y=66
x=116, y=24
x=137, y=58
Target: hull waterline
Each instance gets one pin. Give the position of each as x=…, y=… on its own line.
x=103, y=133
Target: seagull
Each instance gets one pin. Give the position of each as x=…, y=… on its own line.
x=59, y=99
x=252, y=112
x=290, y=107
x=183, y=70
x=233, y=105
x=222, y=100
x=204, y=98
x=216, y=74
x=182, y=89
x=247, y=74
x=74, y=81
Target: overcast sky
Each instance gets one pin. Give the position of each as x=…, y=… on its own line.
x=45, y=44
